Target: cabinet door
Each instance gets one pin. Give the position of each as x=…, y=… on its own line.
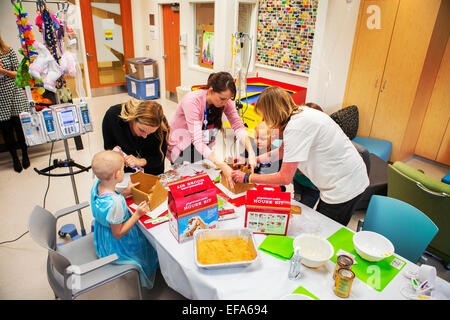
x=437, y=116
x=444, y=150
x=369, y=54
x=409, y=45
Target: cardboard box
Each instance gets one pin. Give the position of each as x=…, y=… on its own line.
x=192, y=205
x=149, y=189
x=238, y=187
x=267, y=210
x=142, y=70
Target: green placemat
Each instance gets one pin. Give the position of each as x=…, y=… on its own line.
x=278, y=246
x=375, y=274
x=302, y=290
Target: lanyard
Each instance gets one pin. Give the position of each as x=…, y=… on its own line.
x=205, y=118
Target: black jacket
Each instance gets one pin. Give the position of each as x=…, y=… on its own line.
x=117, y=132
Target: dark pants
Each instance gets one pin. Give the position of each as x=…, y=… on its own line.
x=308, y=195
x=340, y=212
x=8, y=128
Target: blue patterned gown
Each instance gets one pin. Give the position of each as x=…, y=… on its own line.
x=133, y=247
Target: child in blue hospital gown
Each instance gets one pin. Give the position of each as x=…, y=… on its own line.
x=115, y=228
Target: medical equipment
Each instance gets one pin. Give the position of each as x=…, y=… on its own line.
x=56, y=123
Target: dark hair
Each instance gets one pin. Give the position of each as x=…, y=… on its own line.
x=221, y=81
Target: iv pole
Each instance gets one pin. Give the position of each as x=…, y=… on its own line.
x=40, y=4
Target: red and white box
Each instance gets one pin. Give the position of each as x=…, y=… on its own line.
x=192, y=205
x=267, y=210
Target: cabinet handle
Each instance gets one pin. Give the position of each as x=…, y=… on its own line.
x=376, y=83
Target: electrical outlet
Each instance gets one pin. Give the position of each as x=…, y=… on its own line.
x=147, y=47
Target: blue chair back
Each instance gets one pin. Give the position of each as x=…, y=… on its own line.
x=408, y=228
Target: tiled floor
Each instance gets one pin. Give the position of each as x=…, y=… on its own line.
x=23, y=262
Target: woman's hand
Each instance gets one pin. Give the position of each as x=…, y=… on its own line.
x=132, y=161
x=142, y=209
x=227, y=171
x=237, y=176
x=252, y=160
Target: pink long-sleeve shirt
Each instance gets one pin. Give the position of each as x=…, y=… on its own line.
x=186, y=125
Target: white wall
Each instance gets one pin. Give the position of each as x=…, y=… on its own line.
x=335, y=30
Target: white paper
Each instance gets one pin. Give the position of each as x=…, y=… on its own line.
x=345, y=253
x=133, y=68
x=150, y=90
x=133, y=87
x=148, y=71
x=158, y=210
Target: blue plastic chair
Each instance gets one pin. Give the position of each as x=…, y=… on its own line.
x=379, y=147
x=408, y=228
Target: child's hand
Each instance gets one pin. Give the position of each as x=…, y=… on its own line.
x=142, y=209
x=238, y=161
x=127, y=191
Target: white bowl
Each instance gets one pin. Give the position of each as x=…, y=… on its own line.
x=314, y=250
x=372, y=246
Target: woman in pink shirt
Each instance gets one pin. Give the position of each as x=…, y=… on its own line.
x=198, y=118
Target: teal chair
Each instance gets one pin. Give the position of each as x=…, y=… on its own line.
x=408, y=228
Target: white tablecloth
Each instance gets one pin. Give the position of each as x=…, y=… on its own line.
x=267, y=278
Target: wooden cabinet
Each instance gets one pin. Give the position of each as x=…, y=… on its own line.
x=394, y=67
x=434, y=137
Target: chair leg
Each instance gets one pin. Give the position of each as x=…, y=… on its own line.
x=139, y=285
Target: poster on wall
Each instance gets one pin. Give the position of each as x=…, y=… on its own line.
x=206, y=58
x=286, y=34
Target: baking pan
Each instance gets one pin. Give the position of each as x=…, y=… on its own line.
x=244, y=233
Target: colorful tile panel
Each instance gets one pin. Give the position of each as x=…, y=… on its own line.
x=286, y=34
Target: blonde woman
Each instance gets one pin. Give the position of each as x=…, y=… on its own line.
x=317, y=146
x=12, y=103
x=141, y=130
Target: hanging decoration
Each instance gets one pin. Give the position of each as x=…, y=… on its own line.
x=23, y=77
x=51, y=40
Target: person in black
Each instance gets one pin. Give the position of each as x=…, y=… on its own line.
x=141, y=131
x=12, y=102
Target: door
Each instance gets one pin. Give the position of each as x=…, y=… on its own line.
x=171, y=31
x=108, y=36
x=434, y=138
x=404, y=68
x=368, y=60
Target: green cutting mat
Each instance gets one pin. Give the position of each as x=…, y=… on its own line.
x=302, y=290
x=375, y=274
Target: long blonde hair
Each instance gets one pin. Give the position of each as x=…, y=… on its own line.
x=4, y=48
x=149, y=113
x=276, y=107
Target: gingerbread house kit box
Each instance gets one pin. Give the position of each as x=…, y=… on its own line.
x=267, y=210
x=192, y=205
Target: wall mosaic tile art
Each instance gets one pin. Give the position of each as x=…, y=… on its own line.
x=286, y=34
